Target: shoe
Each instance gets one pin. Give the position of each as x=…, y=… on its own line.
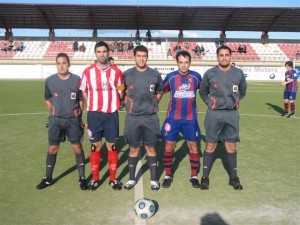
x=44, y=183
x=129, y=184
x=167, y=181
x=204, y=183
x=82, y=183
x=115, y=184
x=235, y=183
x=154, y=185
x=93, y=185
x=195, y=182
x=292, y=115
x=285, y=115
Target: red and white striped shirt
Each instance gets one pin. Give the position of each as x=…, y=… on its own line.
x=103, y=87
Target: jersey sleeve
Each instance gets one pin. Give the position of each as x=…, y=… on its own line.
x=160, y=85
x=242, y=86
x=166, y=84
x=204, y=88
x=83, y=83
x=48, y=94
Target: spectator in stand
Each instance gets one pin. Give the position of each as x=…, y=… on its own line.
x=5, y=47
x=82, y=48
x=21, y=47
x=111, y=47
x=75, y=46
x=240, y=49
x=130, y=46
x=158, y=41
x=244, y=49
x=233, y=64
x=197, y=50
x=202, y=50
x=169, y=53
x=14, y=48
x=186, y=45
x=111, y=60
x=137, y=38
x=148, y=35
x=217, y=42
x=177, y=48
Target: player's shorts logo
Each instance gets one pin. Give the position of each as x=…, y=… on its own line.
x=152, y=87
x=167, y=127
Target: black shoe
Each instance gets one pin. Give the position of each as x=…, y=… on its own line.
x=154, y=185
x=235, y=183
x=167, y=181
x=129, y=184
x=286, y=115
x=82, y=183
x=292, y=115
x=115, y=184
x=204, y=183
x=93, y=185
x=195, y=182
x=44, y=183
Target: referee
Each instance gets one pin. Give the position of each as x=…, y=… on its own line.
x=222, y=87
x=65, y=103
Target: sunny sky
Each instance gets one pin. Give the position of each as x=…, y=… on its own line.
x=155, y=33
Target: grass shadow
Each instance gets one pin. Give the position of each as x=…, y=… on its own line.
x=276, y=108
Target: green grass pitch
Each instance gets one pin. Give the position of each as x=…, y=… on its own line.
x=268, y=166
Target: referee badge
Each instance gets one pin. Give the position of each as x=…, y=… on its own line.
x=235, y=88
x=152, y=87
x=73, y=95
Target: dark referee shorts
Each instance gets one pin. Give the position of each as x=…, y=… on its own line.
x=142, y=130
x=101, y=125
x=222, y=125
x=60, y=128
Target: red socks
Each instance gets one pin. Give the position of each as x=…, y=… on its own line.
x=112, y=163
x=195, y=164
x=95, y=164
x=168, y=162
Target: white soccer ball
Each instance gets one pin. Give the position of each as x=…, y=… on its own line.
x=144, y=208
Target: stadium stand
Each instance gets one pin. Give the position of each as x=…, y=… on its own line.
x=290, y=50
x=47, y=50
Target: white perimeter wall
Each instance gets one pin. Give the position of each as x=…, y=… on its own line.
x=40, y=71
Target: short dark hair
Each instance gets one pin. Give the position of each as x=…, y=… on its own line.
x=110, y=58
x=100, y=44
x=140, y=48
x=223, y=47
x=184, y=54
x=63, y=55
x=289, y=63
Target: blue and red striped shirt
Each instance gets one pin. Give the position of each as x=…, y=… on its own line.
x=183, y=91
x=291, y=87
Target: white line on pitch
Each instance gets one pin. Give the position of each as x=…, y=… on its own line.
x=23, y=114
x=139, y=188
x=242, y=114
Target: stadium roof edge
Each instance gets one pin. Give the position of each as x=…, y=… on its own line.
x=83, y=16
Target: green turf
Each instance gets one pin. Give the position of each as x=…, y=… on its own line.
x=268, y=163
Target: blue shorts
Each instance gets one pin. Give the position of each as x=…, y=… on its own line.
x=188, y=128
x=103, y=125
x=289, y=95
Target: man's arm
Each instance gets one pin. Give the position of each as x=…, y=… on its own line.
x=48, y=104
x=204, y=89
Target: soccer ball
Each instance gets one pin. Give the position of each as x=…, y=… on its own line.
x=144, y=208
